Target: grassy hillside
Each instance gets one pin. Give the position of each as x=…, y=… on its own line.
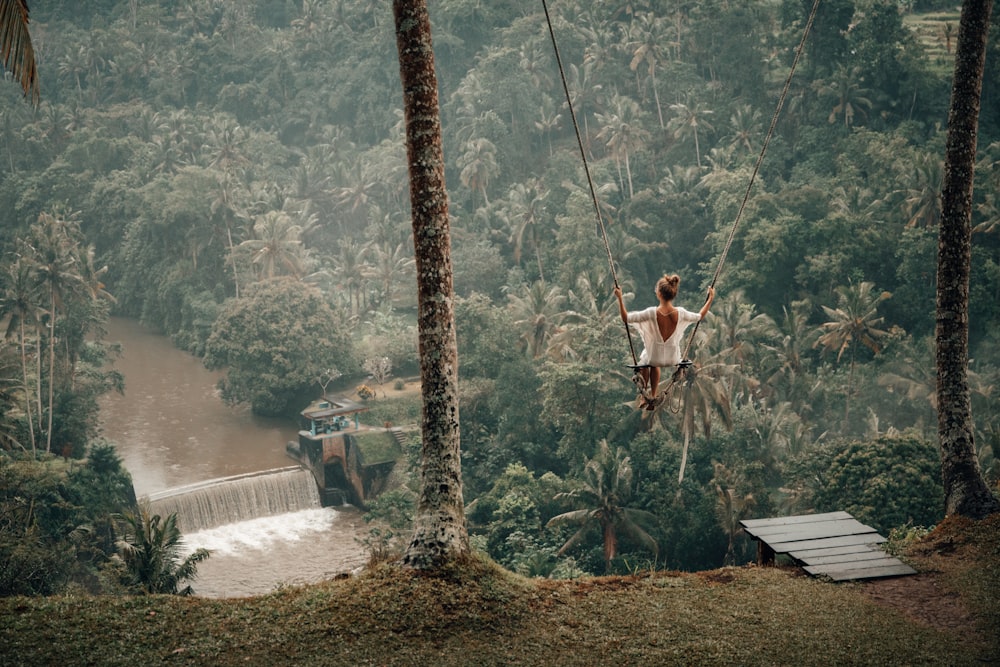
x=479, y=614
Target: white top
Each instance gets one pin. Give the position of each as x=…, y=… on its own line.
x=659, y=352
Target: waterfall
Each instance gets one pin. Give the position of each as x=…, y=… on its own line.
x=228, y=500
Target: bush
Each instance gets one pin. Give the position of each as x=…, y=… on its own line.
x=885, y=483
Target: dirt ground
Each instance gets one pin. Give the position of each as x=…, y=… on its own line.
x=923, y=598
x=926, y=597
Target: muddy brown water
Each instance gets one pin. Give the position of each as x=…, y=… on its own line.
x=172, y=430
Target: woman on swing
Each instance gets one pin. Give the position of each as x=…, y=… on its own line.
x=661, y=328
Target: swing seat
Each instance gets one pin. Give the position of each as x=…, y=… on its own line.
x=683, y=363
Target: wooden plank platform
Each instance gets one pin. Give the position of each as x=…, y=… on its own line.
x=834, y=544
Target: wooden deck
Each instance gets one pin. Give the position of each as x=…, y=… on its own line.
x=834, y=544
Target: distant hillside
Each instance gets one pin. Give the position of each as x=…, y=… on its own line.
x=937, y=32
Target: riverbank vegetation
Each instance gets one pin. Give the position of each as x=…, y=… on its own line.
x=239, y=169
x=475, y=612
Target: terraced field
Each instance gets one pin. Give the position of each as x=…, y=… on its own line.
x=937, y=32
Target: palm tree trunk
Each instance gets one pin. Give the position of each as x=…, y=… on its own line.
x=656, y=96
x=232, y=258
x=966, y=493
x=440, y=535
x=52, y=369
x=628, y=172
x=27, y=394
x=610, y=543
x=38, y=375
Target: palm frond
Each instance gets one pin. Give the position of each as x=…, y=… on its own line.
x=15, y=46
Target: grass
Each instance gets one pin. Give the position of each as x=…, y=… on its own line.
x=476, y=613
x=377, y=447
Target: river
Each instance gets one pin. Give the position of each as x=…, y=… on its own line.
x=172, y=429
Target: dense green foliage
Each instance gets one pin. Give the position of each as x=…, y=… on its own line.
x=272, y=342
x=239, y=167
x=888, y=482
x=56, y=528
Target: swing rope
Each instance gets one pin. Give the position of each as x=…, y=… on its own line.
x=586, y=168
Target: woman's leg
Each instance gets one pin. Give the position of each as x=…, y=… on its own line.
x=654, y=380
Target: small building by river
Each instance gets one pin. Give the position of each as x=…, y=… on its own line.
x=350, y=461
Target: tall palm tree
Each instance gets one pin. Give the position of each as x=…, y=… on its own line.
x=731, y=507
x=849, y=98
x=8, y=397
x=786, y=361
x=522, y=210
x=622, y=132
x=150, y=550
x=701, y=391
x=745, y=129
x=538, y=310
x=350, y=266
x=646, y=39
x=54, y=253
x=227, y=206
x=15, y=45
x=689, y=122
x=922, y=202
x=739, y=329
x=854, y=322
x=440, y=535
x=22, y=306
x=390, y=266
x=277, y=250
x=585, y=94
x=479, y=166
x=606, y=489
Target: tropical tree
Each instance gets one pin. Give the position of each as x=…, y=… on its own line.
x=388, y=269
x=350, y=267
x=745, y=129
x=538, y=312
x=623, y=133
x=688, y=122
x=731, y=507
x=606, y=488
x=20, y=304
x=440, y=535
x=701, y=391
x=522, y=211
x=647, y=43
x=478, y=163
x=786, y=363
x=273, y=341
x=15, y=45
x=848, y=96
x=854, y=322
x=965, y=490
x=150, y=554
x=277, y=249
x=922, y=203
x=54, y=245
